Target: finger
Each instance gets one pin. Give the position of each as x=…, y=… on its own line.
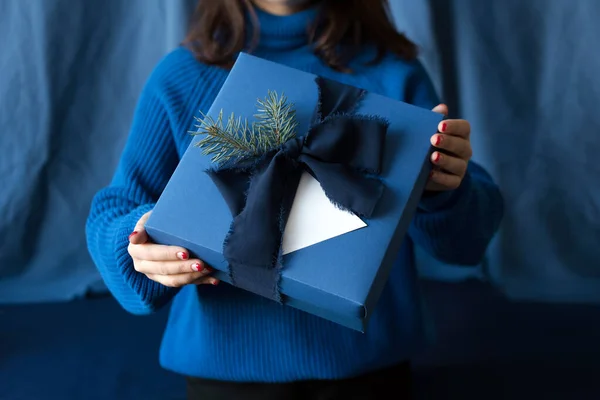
x=449, y=181
x=455, y=127
x=453, y=144
x=139, y=235
x=448, y=163
x=441, y=109
x=206, y=280
x=178, y=280
x=157, y=252
x=170, y=267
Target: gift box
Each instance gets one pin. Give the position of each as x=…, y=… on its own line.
x=299, y=188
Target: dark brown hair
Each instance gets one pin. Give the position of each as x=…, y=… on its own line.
x=342, y=28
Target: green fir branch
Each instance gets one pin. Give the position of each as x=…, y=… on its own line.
x=224, y=142
x=236, y=141
x=276, y=119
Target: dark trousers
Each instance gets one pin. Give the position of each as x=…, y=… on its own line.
x=392, y=383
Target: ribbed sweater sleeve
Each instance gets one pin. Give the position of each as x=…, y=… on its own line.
x=457, y=226
x=147, y=162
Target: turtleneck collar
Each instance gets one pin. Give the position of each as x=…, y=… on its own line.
x=284, y=32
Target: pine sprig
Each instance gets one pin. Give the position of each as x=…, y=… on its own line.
x=276, y=119
x=224, y=142
x=236, y=140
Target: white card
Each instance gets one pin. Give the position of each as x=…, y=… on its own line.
x=313, y=218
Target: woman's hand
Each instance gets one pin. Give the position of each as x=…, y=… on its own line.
x=168, y=265
x=450, y=163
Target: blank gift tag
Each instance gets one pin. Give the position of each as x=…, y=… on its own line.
x=313, y=218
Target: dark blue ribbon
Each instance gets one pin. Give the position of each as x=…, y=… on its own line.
x=341, y=150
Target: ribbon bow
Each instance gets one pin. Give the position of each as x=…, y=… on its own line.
x=341, y=150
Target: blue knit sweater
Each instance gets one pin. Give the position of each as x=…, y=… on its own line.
x=224, y=333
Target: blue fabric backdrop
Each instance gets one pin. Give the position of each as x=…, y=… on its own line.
x=524, y=73
x=71, y=75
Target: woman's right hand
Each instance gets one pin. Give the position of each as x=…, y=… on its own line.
x=168, y=265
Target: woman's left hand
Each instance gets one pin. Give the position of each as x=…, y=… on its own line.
x=450, y=162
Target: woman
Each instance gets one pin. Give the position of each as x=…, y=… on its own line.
x=234, y=345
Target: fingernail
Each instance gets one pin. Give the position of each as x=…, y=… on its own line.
x=197, y=267
x=132, y=234
x=430, y=174
x=444, y=127
x=182, y=255
x=436, y=157
x=438, y=139
x=215, y=282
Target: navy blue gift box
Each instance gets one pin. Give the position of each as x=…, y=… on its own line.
x=382, y=152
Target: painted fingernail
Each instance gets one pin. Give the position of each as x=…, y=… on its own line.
x=132, y=234
x=431, y=174
x=444, y=127
x=437, y=157
x=438, y=139
x=215, y=282
x=197, y=267
x=182, y=255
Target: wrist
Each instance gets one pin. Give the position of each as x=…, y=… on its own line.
x=433, y=201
